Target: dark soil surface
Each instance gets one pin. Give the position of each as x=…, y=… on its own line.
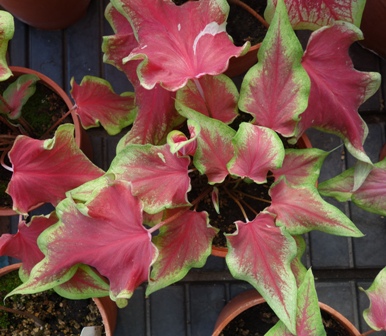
x=59, y=316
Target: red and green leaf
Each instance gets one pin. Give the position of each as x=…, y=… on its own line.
x=116, y=47
x=158, y=177
x=118, y=246
x=275, y=91
x=183, y=243
x=23, y=244
x=371, y=195
x=214, y=145
x=334, y=99
x=156, y=117
x=7, y=29
x=56, y=164
x=179, y=143
x=375, y=314
x=190, y=49
x=301, y=166
x=213, y=96
x=301, y=209
x=258, y=150
x=308, y=318
x=261, y=253
x=98, y=104
x=305, y=14
x=17, y=94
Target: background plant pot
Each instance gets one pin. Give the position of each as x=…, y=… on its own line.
x=219, y=251
x=373, y=26
x=47, y=14
x=251, y=298
x=81, y=137
x=107, y=308
x=239, y=65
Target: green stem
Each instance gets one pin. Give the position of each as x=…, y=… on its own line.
x=253, y=197
x=235, y=199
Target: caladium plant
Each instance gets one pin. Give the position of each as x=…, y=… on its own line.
x=200, y=149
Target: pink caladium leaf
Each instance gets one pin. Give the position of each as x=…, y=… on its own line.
x=56, y=164
x=118, y=246
x=301, y=166
x=214, y=145
x=257, y=151
x=190, y=49
x=254, y=256
x=308, y=317
x=301, y=209
x=158, y=177
x=314, y=14
x=375, y=314
x=23, y=244
x=85, y=283
x=180, y=144
x=17, y=94
x=213, y=96
x=98, y=104
x=156, y=117
x=7, y=29
x=116, y=47
x=297, y=267
x=275, y=91
x=371, y=195
x=334, y=99
x=183, y=243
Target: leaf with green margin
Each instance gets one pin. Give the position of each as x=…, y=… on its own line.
x=213, y=96
x=370, y=196
x=98, y=104
x=309, y=320
x=158, y=177
x=156, y=117
x=261, y=254
x=258, y=150
x=85, y=283
x=23, y=244
x=183, y=243
x=298, y=269
x=7, y=29
x=275, y=91
x=190, y=49
x=301, y=166
x=311, y=15
x=214, y=145
x=301, y=209
x=118, y=246
x=180, y=144
x=17, y=94
x=56, y=164
x=334, y=99
x=375, y=314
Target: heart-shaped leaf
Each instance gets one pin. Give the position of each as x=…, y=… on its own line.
x=56, y=164
x=254, y=256
x=97, y=104
x=190, y=49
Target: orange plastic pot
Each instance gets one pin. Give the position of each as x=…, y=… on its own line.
x=251, y=298
x=107, y=308
x=81, y=137
x=47, y=14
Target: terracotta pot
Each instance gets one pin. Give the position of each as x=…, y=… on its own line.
x=252, y=298
x=373, y=26
x=239, y=65
x=81, y=137
x=47, y=14
x=107, y=308
x=218, y=251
